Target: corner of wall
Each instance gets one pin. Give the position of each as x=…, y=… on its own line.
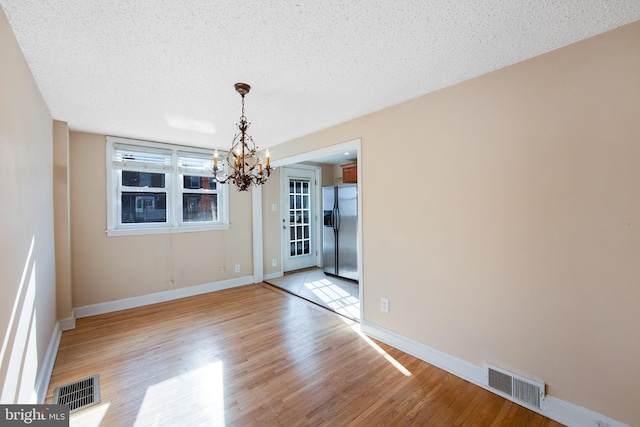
x=62, y=219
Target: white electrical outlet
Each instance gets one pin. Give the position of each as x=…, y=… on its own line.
x=274, y=262
x=384, y=305
x=237, y=268
x=274, y=207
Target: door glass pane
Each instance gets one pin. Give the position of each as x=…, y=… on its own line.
x=299, y=214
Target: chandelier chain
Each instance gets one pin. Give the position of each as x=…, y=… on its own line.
x=242, y=107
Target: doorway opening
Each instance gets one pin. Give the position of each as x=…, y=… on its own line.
x=301, y=268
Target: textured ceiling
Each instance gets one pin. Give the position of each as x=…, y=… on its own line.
x=164, y=70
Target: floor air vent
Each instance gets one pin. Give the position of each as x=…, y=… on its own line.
x=79, y=394
x=518, y=388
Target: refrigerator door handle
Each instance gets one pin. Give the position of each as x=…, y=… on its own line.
x=336, y=219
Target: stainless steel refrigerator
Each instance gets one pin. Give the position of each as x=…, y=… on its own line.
x=339, y=236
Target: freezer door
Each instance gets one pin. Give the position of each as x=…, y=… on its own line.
x=328, y=231
x=348, y=231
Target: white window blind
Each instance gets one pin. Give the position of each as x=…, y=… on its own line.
x=195, y=163
x=141, y=158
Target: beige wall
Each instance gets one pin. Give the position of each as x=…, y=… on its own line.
x=327, y=172
x=337, y=173
x=62, y=219
x=27, y=272
x=112, y=268
x=328, y=175
x=516, y=236
x=271, y=224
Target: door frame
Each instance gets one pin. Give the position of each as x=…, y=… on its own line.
x=317, y=201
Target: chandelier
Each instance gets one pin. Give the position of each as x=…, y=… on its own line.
x=243, y=168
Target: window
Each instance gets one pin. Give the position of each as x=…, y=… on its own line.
x=159, y=188
x=198, y=189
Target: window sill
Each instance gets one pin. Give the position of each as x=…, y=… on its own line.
x=164, y=230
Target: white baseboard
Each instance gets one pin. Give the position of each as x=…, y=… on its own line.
x=458, y=367
x=44, y=374
x=273, y=275
x=126, y=303
x=572, y=415
x=564, y=412
x=69, y=323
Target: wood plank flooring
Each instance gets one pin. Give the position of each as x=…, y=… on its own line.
x=257, y=356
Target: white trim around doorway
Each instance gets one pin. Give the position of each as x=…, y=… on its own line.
x=355, y=144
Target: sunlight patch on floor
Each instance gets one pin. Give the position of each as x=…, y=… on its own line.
x=193, y=398
x=335, y=297
x=376, y=347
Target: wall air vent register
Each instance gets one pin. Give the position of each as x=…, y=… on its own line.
x=514, y=387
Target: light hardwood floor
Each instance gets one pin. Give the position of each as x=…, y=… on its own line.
x=257, y=356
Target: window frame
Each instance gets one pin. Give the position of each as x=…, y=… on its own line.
x=173, y=188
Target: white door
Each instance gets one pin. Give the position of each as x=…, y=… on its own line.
x=298, y=222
